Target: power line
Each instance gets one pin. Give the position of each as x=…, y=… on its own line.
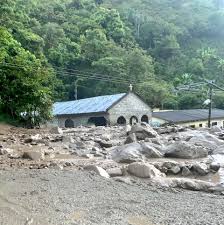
x=82, y=74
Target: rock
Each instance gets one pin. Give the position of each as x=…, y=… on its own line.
x=131, y=138
x=214, y=167
x=149, y=151
x=67, y=139
x=174, y=170
x=143, y=131
x=105, y=144
x=114, y=172
x=56, y=166
x=128, y=128
x=34, y=138
x=200, y=168
x=185, y=172
x=219, y=150
x=56, y=130
x=144, y=170
x=98, y=170
x=127, y=153
x=34, y=155
x=191, y=184
x=87, y=156
x=6, y=151
x=125, y=180
x=185, y=150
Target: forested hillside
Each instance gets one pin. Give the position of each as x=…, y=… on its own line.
x=49, y=47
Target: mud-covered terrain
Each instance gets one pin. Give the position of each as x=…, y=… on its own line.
x=111, y=175
x=76, y=197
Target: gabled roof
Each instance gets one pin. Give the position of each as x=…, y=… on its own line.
x=88, y=105
x=188, y=115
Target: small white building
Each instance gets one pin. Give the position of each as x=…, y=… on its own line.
x=192, y=117
x=125, y=108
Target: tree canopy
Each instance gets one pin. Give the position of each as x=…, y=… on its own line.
x=48, y=47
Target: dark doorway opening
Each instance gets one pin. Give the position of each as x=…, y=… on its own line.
x=121, y=120
x=133, y=120
x=145, y=119
x=98, y=121
x=69, y=123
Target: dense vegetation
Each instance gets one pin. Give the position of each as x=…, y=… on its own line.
x=49, y=47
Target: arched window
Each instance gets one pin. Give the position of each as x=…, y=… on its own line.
x=69, y=123
x=133, y=120
x=97, y=121
x=121, y=120
x=145, y=119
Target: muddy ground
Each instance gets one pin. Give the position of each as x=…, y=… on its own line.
x=53, y=197
x=35, y=193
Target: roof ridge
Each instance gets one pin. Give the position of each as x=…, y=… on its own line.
x=91, y=97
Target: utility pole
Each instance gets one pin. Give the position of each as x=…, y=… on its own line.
x=210, y=106
x=76, y=89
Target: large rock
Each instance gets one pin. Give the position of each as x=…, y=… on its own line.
x=114, y=172
x=6, y=151
x=127, y=153
x=185, y=150
x=150, y=151
x=185, y=171
x=98, y=170
x=143, y=131
x=131, y=138
x=200, y=168
x=144, y=170
x=34, y=155
x=56, y=130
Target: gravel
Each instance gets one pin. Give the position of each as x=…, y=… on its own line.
x=55, y=197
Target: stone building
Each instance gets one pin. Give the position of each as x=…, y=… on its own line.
x=194, y=118
x=125, y=108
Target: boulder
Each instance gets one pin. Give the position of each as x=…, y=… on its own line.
x=200, y=169
x=214, y=167
x=185, y=171
x=114, y=172
x=185, y=150
x=6, y=151
x=131, y=138
x=127, y=153
x=149, y=151
x=98, y=170
x=34, y=155
x=56, y=130
x=143, y=131
x=174, y=170
x=144, y=170
x=105, y=144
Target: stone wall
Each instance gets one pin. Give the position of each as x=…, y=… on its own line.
x=128, y=107
x=79, y=120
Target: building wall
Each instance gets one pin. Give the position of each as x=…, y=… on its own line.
x=129, y=106
x=78, y=120
x=197, y=124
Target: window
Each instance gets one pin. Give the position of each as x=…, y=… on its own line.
x=200, y=125
x=192, y=126
x=214, y=123
x=121, y=120
x=69, y=123
x=97, y=121
x=145, y=119
x=133, y=120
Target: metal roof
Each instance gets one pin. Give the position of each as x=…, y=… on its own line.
x=87, y=105
x=188, y=115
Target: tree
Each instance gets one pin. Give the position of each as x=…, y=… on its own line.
x=25, y=84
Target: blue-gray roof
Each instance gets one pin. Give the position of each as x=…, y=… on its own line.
x=87, y=105
x=188, y=115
